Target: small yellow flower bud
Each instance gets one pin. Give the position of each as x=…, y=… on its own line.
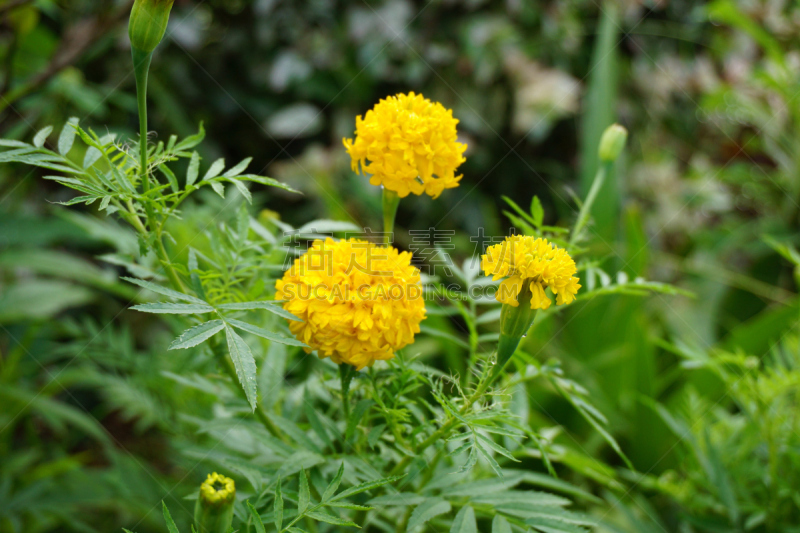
x=148, y=23
x=213, y=512
x=612, y=142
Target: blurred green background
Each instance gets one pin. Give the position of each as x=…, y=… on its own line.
x=701, y=392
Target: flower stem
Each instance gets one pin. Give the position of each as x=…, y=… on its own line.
x=586, y=208
x=390, y=203
x=346, y=373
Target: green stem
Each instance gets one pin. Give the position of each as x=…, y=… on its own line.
x=586, y=208
x=390, y=203
x=141, y=69
x=442, y=431
x=346, y=373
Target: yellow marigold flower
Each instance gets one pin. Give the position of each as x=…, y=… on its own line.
x=408, y=144
x=217, y=488
x=526, y=259
x=358, y=302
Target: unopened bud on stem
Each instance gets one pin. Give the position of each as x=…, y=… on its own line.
x=148, y=23
x=612, y=142
x=213, y=512
x=514, y=324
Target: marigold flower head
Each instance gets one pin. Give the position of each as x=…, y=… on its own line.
x=524, y=259
x=217, y=489
x=409, y=145
x=357, y=302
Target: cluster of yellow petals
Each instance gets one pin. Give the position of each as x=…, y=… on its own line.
x=357, y=302
x=524, y=259
x=409, y=145
x=217, y=489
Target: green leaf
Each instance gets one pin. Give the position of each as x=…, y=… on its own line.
x=197, y=334
x=464, y=521
x=355, y=417
x=267, y=181
x=334, y=485
x=496, y=447
x=191, y=141
x=173, y=309
x=259, y=525
x=11, y=143
x=537, y=212
x=218, y=188
x=67, y=137
x=500, y=525
x=315, y=422
x=165, y=291
x=171, y=527
x=215, y=169
x=243, y=190
x=400, y=499
x=244, y=363
x=266, y=334
x=303, y=496
x=428, y=509
x=272, y=307
x=194, y=169
x=277, y=508
x=330, y=519
x=41, y=136
x=191, y=265
x=238, y=169
x=363, y=487
x=173, y=181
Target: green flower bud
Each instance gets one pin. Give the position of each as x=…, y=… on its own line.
x=612, y=142
x=213, y=512
x=148, y=23
x=514, y=324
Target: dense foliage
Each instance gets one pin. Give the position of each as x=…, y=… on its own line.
x=142, y=348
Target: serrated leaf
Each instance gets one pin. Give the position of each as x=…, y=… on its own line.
x=303, y=495
x=12, y=143
x=330, y=490
x=401, y=499
x=67, y=137
x=266, y=334
x=464, y=522
x=171, y=527
x=238, y=169
x=192, y=265
x=272, y=307
x=500, y=525
x=363, y=487
x=277, y=508
x=215, y=169
x=330, y=519
x=41, y=136
x=164, y=291
x=244, y=363
x=194, y=169
x=173, y=309
x=270, y=182
x=197, y=334
x=259, y=525
x=496, y=447
x=218, y=188
x=428, y=509
x=242, y=188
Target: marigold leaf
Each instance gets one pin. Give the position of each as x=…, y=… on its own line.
x=215, y=169
x=171, y=527
x=500, y=525
x=303, y=496
x=277, y=509
x=194, y=169
x=464, y=522
x=363, y=487
x=272, y=307
x=197, y=334
x=330, y=519
x=41, y=136
x=244, y=363
x=67, y=137
x=334, y=485
x=428, y=509
x=165, y=291
x=259, y=525
x=173, y=309
x=238, y=169
x=266, y=334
